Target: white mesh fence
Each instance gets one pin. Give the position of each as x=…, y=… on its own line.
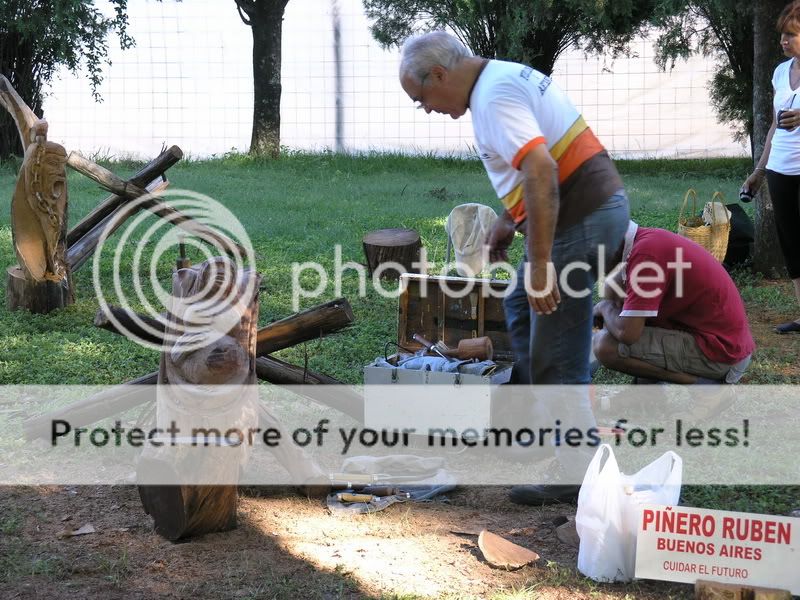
x=189, y=82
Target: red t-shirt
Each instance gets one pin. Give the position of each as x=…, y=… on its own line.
x=677, y=284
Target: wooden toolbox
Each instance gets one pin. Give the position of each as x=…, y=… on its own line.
x=447, y=309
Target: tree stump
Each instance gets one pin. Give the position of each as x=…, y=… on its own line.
x=400, y=246
x=207, y=384
x=36, y=296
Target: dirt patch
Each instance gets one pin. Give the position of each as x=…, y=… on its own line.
x=287, y=546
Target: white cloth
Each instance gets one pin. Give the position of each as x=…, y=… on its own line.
x=784, y=156
x=467, y=226
x=715, y=213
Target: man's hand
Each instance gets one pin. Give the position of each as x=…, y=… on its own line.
x=543, y=294
x=500, y=237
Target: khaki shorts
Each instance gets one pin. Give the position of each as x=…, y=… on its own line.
x=678, y=351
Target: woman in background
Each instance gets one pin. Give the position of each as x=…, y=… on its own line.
x=780, y=160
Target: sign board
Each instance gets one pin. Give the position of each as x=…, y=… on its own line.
x=677, y=543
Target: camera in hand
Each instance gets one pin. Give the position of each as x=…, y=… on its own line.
x=745, y=195
x=780, y=116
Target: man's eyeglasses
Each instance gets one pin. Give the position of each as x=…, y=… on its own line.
x=420, y=102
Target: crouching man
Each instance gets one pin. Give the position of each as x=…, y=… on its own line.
x=671, y=313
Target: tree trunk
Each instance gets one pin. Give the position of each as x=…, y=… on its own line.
x=767, y=257
x=18, y=65
x=266, y=20
x=401, y=247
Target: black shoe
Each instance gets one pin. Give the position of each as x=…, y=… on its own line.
x=538, y=495
x=790, y=327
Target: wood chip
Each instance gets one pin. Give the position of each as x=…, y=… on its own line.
x=522, y=531
x=85, y=530
x=473, y=532
x=503, y=554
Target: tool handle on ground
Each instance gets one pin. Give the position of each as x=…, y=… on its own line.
x=349, y=497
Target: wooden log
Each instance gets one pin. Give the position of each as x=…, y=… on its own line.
x=126, y=189
x=121, y=398
x=318, y=387
x=39, y=297
x=90, y=410
x=212, y=383
x=713, y=590
x=153, y=170
x=400, y=246
x=180, y=511
x=79, y=252
x=311, y=324
x=129, y=323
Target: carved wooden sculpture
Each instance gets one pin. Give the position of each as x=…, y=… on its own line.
x=209, y=378
x=41, y=282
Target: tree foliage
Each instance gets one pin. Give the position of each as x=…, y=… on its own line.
x=39, y=36
x=535, y=32
x=722, y=29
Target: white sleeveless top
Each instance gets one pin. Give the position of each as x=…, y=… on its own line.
x=784, y=157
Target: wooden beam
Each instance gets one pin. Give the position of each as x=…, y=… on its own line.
x=311, y=324
x=80, y=251
x=153, y=170
x=156, y=205
x=713, y=590
x=128, y=321
x=318, y=387
x=90, y=410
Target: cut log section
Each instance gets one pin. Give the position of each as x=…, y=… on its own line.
x=399, y=246
x=39, y=297
x=501, y=553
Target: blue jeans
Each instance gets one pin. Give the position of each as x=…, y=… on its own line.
x=555, y=348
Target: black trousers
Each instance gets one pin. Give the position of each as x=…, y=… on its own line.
x=785, y=193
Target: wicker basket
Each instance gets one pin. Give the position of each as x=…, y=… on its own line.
x=714, y=237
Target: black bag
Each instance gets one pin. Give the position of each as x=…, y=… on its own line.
x=742, y=236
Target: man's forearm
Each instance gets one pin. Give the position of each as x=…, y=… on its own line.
x=541, y=204
x=611, y=319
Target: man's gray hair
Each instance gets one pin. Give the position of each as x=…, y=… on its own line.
x=421, y=53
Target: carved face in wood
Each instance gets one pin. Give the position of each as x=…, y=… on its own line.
x=216, y=346
x=39, y=207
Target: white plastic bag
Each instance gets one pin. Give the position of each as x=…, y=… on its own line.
x=609, y=508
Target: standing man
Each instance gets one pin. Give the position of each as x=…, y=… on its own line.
x=558, y=186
